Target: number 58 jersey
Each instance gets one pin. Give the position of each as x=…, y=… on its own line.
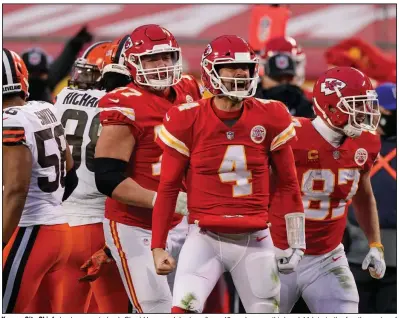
x=36, y=126
x=80, y=117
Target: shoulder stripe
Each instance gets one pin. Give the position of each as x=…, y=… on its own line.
x=127, y=112
x=283, y=137
x=171, y=141
x=13, y=128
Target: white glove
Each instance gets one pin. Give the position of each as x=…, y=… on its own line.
x=287, y=260
x=375, y=262
x=181, y=203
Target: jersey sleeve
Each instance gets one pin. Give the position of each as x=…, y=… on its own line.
x=176, y=132
x=14, y=132
x=118, y=108
x=192, y=87
x=374, y=147
x=281, y=130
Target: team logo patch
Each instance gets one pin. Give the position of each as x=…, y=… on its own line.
x=128, y=43
x=208, y=51
x=282, y=62
x=230, y=135
x=258, y=134
x=329, y=85
x=361, y=156
x=34, y=58
x=189, y=99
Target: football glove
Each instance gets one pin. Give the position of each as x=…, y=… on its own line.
x=181, y=203
x=93, y=266
x=374, y=261
x=288, y=260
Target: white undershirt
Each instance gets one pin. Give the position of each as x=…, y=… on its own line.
x=333, y=137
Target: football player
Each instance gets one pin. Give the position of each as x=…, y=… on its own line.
x=222, y=146
x=333, y=155
x=38, y=174
x=77, y=105
x=128, y=161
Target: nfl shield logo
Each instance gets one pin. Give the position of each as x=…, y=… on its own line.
x=336, y=154
x=230, y=135
x=282, y=62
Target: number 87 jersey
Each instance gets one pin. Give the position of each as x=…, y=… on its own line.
x=80, y=117
x=328, y=179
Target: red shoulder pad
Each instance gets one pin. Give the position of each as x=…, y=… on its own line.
x=190, y=85
x=176, y=131
x=117, y=106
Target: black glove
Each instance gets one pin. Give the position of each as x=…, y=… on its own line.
x=82, y=37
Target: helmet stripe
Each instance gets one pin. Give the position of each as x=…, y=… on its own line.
x=9, y=67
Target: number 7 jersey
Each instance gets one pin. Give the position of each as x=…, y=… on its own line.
x=328, y=178
x=80, y=117
x=36, y=126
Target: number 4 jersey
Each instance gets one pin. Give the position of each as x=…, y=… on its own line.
x=228, y=172
x=80, y=117
x=36, y=126
x=328, y=178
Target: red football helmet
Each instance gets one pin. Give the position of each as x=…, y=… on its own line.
x=229, y=49
x=15, y=74
x=114, y=58
x=86, y=71
x=345, y=98
x=286, y=44
x=147, y=40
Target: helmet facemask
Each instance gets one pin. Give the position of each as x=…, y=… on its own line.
x=84, y=75
x=363, y=111
x=241, y=87
x=158, y=78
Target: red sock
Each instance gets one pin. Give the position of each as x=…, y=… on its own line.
x=178, y=310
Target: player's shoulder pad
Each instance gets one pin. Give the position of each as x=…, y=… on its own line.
x=14, y=124
x=191, y=86
x=371, y=141
x=300, y=122
x=121, y=97
x=184, y=112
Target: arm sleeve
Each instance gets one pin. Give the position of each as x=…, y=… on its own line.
x=172, y=172
x=287, y=196
x=14, y=131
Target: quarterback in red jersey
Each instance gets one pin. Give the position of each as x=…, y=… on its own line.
x=333, y=157
x=128, y=161
x=222, y=146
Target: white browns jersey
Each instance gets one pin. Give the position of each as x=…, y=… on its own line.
x=37, y=126
x=80, y=117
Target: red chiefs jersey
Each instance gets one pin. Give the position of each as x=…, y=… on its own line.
x=144, y=112
x=228, y=170
x=328, y=178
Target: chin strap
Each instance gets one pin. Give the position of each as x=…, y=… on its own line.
x=295, y=224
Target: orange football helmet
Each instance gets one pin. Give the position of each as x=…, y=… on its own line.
x=86, y=71
x=15, y=74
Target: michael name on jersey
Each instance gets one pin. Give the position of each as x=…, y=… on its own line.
x=84, y=99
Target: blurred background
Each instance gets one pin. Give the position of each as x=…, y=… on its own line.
x=51, y=36
x=315, y=27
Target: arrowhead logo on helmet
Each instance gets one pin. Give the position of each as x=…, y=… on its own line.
x=328, y=87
